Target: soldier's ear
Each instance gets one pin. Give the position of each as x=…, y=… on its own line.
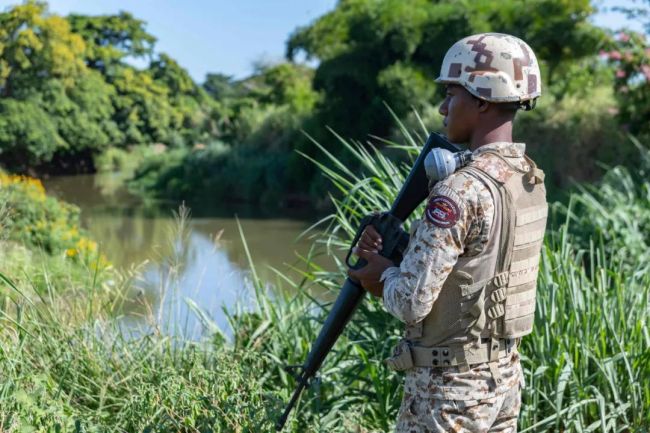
x=482, y=105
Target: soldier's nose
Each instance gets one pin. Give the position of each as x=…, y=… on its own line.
x=443, y=109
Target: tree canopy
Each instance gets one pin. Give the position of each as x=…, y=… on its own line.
x=371, y=51
x=69, y=89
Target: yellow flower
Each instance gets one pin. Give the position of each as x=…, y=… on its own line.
x=30, y=186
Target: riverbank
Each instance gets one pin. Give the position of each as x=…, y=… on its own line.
x=66, y=365
x=212, y=270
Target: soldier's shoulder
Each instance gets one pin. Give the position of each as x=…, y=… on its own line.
x=495, y=166
x=460, y=181
x=459, y=186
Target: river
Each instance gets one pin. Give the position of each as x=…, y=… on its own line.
x=206, y=266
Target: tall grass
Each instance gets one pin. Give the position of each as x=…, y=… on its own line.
x=66, y=366
x=587, y=364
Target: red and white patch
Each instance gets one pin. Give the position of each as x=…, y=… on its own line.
x=442, y=211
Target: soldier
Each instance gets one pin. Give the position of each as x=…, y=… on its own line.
x=466, y=286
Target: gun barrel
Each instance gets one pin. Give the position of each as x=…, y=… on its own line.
x=283, y=419
x=346, y=302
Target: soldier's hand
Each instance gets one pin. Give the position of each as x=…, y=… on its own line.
x=370, y=274
x=370, y=240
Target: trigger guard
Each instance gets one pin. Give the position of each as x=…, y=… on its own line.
x=365, y=222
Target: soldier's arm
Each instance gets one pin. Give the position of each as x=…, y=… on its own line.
x=452, y=212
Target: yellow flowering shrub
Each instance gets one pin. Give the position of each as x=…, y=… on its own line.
x=36, y=219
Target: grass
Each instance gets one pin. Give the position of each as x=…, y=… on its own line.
x=67, y=366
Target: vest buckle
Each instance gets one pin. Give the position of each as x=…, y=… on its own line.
x=402, y=358
x=498, y=295
x=496, y=311
x=440, y=357
x=501, y=280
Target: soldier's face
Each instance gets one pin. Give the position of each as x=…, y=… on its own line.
x=461, y=113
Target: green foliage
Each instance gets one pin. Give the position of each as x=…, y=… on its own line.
x=48, y=100
x=616, y=212
x=122, y=161
x=111, y=38
x=560, y=32
x=280, y=94
x=66, y=91
x=405, y=85
x=142, y=106
x=26, y=129
x=588, y=355
x=39, y=221
x=39, y=232
x=34, y=45
x=362, y=41
x=630, y=55
x=570, y=138
x=205, y=177
x=67, y=365
x=220, y=86
x=283, y=84
x=263, y=121
x=62, y=374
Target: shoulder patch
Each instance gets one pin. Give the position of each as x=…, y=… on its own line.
x=442, y=211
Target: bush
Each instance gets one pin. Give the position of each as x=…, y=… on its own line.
x=85, y=375
x=208, y=176
x=569, y=138
x=39, y=221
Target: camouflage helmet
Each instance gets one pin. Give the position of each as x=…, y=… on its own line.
x=494, y=67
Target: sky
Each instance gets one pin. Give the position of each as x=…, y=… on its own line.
x=229, y=36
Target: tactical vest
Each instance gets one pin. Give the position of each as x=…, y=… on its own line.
x=488, y=300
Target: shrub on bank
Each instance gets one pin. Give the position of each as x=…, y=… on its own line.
x=39, y=221
x=212, y=175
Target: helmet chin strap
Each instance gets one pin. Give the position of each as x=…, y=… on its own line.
x=440, y=163
x=528, y=105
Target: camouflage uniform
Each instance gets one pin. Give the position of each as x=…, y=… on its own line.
x=446, y=399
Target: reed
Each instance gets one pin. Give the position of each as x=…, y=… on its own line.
x=66, y=365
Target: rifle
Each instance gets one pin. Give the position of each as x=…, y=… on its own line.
x=394, y=240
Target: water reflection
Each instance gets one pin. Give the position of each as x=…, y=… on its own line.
x=208, y=267
x=199, y=272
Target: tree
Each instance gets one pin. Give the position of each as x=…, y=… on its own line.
x=50, y=102
x=371, y=51
x=220, y=86
x=35, y=47
x=629, y=53
x=110, y=39
x=67, y=91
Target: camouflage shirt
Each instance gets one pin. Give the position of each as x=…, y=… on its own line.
x=411, y=289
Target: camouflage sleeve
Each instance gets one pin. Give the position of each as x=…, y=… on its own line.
x=411, y=289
